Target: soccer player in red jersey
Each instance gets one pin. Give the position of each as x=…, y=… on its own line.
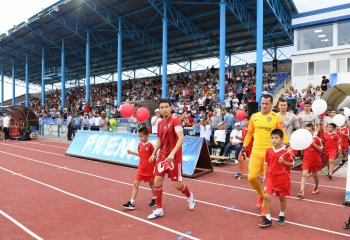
x=311, y=161
x=343, y=133
x=169, y=160
x=278, y=162
x=145, y=169
x=331, y=146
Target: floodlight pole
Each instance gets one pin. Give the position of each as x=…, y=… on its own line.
x=2, y=85
x=165, y=52
x=222, y=51
x=259, y=48
x=87, y=63
x=43, y=78
x=27, y=81
x=120, y=59
x=13, y=83
x=63, y=77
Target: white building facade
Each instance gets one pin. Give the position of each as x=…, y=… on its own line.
x=321, y=47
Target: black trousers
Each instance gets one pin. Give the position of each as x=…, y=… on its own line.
x=7, y=133
x=220, y=145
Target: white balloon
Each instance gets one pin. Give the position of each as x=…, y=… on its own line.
x=347, y=111
x=339, y=120
x=319, y=106
x=300, y=139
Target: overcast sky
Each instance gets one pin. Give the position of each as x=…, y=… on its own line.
x=13, y=12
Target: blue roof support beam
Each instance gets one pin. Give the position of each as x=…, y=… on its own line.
x=182, y=23
x=13, y=83
x=222, y=51
x=63, y=77
x=87, y=66
x=259, y=48
x=239, y=10
x=165, y=52
x=43, y=78
x=27, y=81
x=282, y=16
x=120, y=58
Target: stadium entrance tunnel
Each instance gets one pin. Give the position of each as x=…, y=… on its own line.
x=338, y=96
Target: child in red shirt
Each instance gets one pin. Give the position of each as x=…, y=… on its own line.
x=145, y=169
x=331, y=146
x=311, y=161
x=245, y=153
x=278, y=162
x=343, y=133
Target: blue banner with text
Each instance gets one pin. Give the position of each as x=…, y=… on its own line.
x=112, y=147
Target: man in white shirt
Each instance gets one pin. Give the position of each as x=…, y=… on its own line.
x=6, y=123
x=290, y=121
x=219, y=139
x=204, y=129
x=86, y=122
x=235, y=142
x=1, y=127
x=155, y=120
x=133, y=123
x=307, y=116
x=328, y=119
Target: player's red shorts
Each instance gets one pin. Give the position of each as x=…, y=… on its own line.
x=248, y=151
x=314, y=167
x=144, y=178
x=174, y=172
x=345, y=148
x=270, y=189
x=331, y=155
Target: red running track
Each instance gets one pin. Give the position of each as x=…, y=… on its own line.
x=59, y=197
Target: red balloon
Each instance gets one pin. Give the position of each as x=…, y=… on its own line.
x=127, y=110
x=142, y=114
x=301, y=105
x=240, y=115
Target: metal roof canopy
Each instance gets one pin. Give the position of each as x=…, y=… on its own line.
x=193, y=33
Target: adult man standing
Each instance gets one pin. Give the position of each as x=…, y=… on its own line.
x=155, y=120
x=290, y=121
x=1, y=127
x=261, y=125
x=169, y=160
x=104, y=122
x=307, y=117
x=328, y=119
x=6, y=123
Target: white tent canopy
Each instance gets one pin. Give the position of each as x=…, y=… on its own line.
x=336, y=95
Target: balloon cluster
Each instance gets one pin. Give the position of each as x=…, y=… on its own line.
x=127, y=110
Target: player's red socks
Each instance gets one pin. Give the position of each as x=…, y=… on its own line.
x=158, y=192
x=185, y=190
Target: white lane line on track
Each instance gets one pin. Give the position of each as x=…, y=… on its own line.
x=103, y=206
x=59, y=154
x=41, y=144
x=320, y=185
x=177, y=196
x=196, y=180
x=20, y=225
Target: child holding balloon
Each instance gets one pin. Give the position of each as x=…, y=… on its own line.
x=331, y=146
x=278, y=162
x=311, y=161
x=145, y=169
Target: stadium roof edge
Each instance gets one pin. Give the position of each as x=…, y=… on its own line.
x=70, y=19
